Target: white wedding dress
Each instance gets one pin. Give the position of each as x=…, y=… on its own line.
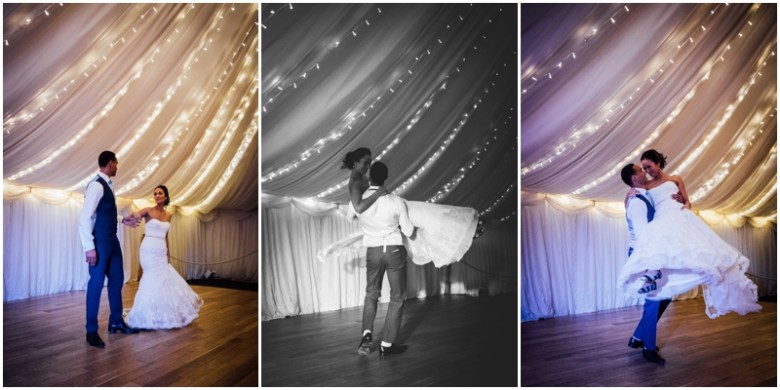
x=164, y=299
x=443, y=234
x=689, y=254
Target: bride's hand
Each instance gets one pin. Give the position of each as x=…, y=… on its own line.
x=629, y=194
x=382, y=191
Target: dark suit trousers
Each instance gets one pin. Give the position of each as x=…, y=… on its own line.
x=651, y=314
x=393, y=260
x=109, y=263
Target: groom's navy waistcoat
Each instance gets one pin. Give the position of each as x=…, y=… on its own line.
x=650, y=208
x=105, y=214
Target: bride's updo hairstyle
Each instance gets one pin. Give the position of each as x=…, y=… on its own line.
x=654, y=156
x=354, y=156
x=165, y=190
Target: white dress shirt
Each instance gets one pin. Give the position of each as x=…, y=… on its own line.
x=636, y=215
x=384, y=221
x=92, y=197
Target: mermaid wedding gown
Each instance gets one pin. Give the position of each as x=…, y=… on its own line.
x=164, y=299
x=689, y=254
x=442, y=236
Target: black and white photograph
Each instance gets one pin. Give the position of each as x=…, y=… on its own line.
x=389, y=189
x=648, y=173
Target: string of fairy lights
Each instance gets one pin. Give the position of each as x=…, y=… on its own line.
x=353, y=116
x=78, y=77
x=742, y=144
x=537, y=76
x=743, y=91
x=29, y=20
x=612, y=108
x=250, y=136
x=441, y=148
x=193, y=58
x=104, y=112
x=227, y=137
x=216, y=123
x=474, y=160
x=273, y=13
x=499, y=200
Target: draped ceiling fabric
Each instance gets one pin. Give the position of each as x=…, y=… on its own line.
x=600, y=84
x=429, y=88
x=170, y=88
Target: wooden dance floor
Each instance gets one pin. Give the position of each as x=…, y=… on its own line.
x=592, y=349
x=453, y=341
x=44, y=344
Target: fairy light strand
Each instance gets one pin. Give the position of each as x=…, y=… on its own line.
x=499, y=200
x=44, y=98
x=472, y=162
x=611, y=110
x=742, y=145
x=355, y=115
x=656, y=133
x=30, y=20
x=410, y=126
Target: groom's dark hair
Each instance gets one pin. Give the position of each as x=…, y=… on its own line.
x=627, y=174
x=105, y=158
x=378, y=173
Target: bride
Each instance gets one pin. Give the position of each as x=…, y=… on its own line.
x=444, y=233
x=164, y=300
x=686, y=251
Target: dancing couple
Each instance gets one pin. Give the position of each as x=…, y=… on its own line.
x=163, y=300
x=394, y=230
x=673, y=251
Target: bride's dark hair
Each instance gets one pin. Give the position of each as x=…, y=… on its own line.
x=354, y=156
x=165, y=190
x=654, y=156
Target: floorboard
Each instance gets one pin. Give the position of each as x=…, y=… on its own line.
x=44, y=344
x=591, y=349
x=453, y=341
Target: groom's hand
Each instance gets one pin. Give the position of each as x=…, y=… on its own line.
x=91, y=257
x=130, y=221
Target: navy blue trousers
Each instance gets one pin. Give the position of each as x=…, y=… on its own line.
x=109, y=264
x=646, y=329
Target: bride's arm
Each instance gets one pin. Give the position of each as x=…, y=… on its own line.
x=358, y=202
x=679, y=181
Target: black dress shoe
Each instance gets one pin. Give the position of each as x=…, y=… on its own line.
x=94, y=340
x=635, y=343
x=365, y=344
x=393, y=349
x=121, y=327
x=653, y=356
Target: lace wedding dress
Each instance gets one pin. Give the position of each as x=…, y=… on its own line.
x=164, y=300
x=689, y=253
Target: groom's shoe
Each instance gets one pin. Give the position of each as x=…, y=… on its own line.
x=653, y=356
x=636, y=343
x=393, y=349
x=94, y=340
x=365, y=344
x=121, y=327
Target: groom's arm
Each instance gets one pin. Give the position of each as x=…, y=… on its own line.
x=86, y=224
x=637, y=214
x=403, y=218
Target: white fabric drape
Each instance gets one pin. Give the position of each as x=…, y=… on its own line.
x=295, y=282
x=42, y=253
x=430, y=89
x=571, y=254
x=602, y=83
x=172, y=90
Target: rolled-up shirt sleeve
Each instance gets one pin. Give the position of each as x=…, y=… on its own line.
x=87, y=218
x=403, y=219
x=637, y=214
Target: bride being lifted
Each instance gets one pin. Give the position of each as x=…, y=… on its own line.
x=444, y=233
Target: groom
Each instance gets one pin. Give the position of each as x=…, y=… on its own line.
x=639, y=212
x=382, y=224
x=97, y=228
